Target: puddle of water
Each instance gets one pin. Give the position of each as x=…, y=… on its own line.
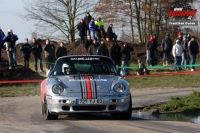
x=195, y=118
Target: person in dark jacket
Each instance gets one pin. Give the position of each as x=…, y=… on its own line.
x=110, y=34
x=82, y=30
x=1, y=40
x=87, y=20
x=126, y=57
x=184, y=54
x=193, y=49
x=92, y=50
x=61, y=51
x=10, y=40
x=26, y=51
x=166, y=46
x=151, y=47
x=37, y=53
x=115, y=54
x=49, y=53
x=88, y=42
x=102, y=49
x=187, y=52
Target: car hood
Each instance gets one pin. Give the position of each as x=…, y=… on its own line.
x=80, y=83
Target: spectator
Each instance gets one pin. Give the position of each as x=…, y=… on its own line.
x=99, y=23
x=166, y=48
x=177, y=51
x=26, y=51
x=88, y=42
x=37, y=53
x=184, y=54
x=110, y=34
x=1, y=40
x=187, y=52
x=82, y=30
x=126, y=56
x=151, y=47
x=87, y=20
x=61, y=51
x=102, y=33
x=49, y=52
x=193, y=49
x=92, y=28
x=115, y=54
x=10, y=40
x=92, y=50
x=102, y=49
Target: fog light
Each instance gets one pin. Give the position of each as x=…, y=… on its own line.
x=68, y=101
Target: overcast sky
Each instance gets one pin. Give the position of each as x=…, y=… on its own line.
x=9, y=18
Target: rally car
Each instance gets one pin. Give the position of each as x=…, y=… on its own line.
x=85, y=84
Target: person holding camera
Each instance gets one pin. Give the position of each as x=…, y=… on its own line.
x=10, y=40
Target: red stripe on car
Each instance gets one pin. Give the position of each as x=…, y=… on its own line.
x=88, y=86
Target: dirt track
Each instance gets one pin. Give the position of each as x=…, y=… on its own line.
x=22, y=114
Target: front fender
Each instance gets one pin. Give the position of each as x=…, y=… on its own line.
x=43, y=91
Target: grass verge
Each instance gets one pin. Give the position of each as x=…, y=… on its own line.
x=180, y=104
x=26, y=89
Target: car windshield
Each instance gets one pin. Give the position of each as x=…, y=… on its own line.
x=84, y=65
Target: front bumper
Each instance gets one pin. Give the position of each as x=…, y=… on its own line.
x=66, y=105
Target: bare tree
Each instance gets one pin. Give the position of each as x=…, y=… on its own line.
x=56, y=19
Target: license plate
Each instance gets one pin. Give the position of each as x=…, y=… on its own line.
x=89, y=101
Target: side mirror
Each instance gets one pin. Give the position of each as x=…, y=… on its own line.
x=48, y=72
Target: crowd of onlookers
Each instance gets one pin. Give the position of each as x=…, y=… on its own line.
x=93, y=37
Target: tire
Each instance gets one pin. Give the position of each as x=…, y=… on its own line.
x=47, y=114
x=42, y=108
x=127, y=114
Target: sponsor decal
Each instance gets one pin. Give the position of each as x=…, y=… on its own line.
x=87, y=58
x=78, y=80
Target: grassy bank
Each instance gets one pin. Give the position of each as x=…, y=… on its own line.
x=180, y=104
x=26, y=89
x=176, y=81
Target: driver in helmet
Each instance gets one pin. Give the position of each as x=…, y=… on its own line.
x=68, y=69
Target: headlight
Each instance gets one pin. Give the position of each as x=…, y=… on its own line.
x=57, y=89
x=119, y=88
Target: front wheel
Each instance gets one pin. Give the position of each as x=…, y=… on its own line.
x=127, y=114
x=47, y=114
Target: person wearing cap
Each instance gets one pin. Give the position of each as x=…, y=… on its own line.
x=102, y=49
x=92, y=28
x=193, y=49
x=10, y=40
x=166, y=46
x=110, y=34
x=184, y=54
x=26, y=50
x=177, y=51
x=92, y=50
x=126, y=57
x=82, y=30
x=1, y=40
x=87, y=20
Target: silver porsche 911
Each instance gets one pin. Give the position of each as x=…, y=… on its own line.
x=85, y=84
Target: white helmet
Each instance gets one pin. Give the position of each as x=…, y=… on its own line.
x=10, y=30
